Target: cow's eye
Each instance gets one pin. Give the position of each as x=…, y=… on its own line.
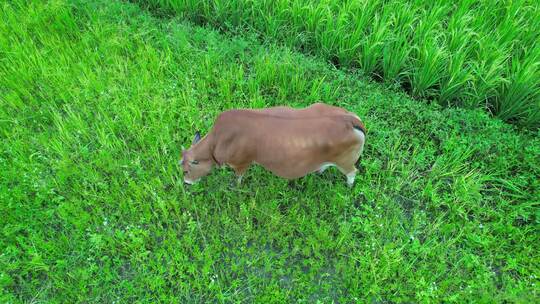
x=194, y=162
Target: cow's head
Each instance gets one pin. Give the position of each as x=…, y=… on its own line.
x=195, y=161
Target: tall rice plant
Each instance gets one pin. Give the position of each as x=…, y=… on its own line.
x=470, y=53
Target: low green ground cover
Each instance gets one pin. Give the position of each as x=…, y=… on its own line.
x=96, y=99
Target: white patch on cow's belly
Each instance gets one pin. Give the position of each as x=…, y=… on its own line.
x=325, y=166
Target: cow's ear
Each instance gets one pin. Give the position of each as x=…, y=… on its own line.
x=196, y=138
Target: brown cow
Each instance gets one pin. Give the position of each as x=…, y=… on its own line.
x=289, y=142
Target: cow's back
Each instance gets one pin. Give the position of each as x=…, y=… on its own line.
x=288, y=142
x=314, y=110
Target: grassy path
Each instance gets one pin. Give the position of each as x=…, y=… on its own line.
x=96, y=99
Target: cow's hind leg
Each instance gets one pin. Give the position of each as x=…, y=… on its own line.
x=347, y=166
x=349, y=160
x=350, y=177
x=350, y=172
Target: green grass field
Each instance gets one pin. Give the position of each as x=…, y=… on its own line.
x=96, y=99
x=474, y=54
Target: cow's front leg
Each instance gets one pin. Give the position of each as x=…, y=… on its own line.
x=239, y=170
